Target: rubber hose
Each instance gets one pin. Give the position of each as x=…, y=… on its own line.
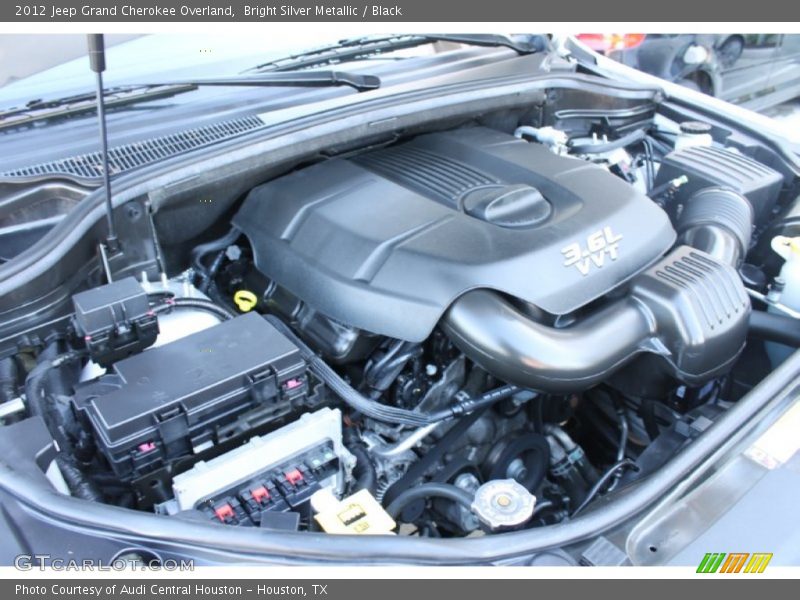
x=623, y=443
x=8, y=379
x=541, y=507
x=381, y=376
x=418, y=469
x=472, y=404
x=624, y=463
x=623, y=432
x=199, y=252
x=388, y=355
x=196, y=303
x=202, y=250
x=600, y=147
x=376, y=410
x=773, y=327
x=364, y=472
x=429, y=490
x=212, y=270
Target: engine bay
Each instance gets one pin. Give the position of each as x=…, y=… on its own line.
x=465, y=331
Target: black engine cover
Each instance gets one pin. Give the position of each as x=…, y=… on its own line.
x=387, y=240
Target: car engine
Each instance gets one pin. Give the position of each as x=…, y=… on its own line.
x=463, y=331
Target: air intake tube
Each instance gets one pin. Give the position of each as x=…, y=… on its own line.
x=691, y=308
x=499, y=337
x=719, y=222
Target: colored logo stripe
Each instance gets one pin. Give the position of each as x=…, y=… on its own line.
x=734, y=562
x=758, y=562
x=711, y=562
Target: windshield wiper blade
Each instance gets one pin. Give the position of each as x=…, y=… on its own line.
x=528, y=44
x=116, y=96
x=357, y=81
x=38, y=110
x=342, y=51
x=366, y=47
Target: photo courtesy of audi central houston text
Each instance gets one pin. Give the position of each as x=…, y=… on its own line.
x=400, y=299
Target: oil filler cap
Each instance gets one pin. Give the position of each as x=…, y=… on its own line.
x=503, y=504
x=510, y=206
x=245, y=300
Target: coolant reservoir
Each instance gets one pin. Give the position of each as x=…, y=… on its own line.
x=692, y=134
x=787, y=248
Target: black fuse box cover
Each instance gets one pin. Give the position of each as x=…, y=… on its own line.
x=189, y=395
x=114, y=320
x=706, y=167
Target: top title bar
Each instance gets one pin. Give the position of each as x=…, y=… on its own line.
x=464, y=11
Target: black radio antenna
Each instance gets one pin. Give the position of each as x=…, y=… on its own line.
x=97, y=61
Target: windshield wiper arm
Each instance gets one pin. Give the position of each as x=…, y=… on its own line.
x=366, y=47
x=357, y=81
x=116, y=96
x=123, y=95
